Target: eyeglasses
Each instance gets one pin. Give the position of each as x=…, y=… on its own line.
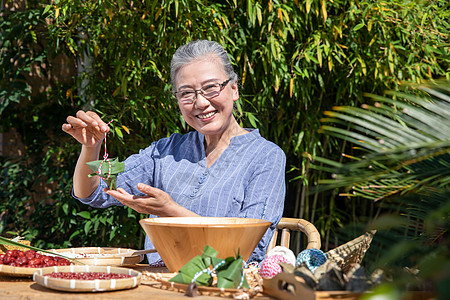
x=208, y=91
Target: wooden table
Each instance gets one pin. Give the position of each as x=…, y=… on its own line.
x=26, y=288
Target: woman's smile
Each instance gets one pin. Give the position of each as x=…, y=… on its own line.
x=207, y=116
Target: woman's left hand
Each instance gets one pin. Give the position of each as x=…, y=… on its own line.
x=155, y=202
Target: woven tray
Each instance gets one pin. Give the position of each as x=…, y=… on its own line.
x=102, y=256
x=161, y=280
x=72, y=285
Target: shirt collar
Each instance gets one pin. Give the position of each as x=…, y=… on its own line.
x=240, y=139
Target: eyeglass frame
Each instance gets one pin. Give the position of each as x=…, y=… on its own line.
x=200, y=90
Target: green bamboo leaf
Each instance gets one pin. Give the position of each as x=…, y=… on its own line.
x=391, y=61
x=259, y=14
x=46, y=9
x=176, y=8
x=252, y=119
x=118, y=132
x=319, y=55
x=190, y=269
x=358, y=26
x=232, y=276
x=116, y=166
x=108, y=175
x=250, y=14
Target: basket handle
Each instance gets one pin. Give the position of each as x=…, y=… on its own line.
x=288, y=224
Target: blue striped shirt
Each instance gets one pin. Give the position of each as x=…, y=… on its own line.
x=247, y=180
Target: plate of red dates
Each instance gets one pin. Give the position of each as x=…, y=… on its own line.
x=86, y=278
x=20, y=263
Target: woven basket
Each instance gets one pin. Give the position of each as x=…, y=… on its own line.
x=351, y=252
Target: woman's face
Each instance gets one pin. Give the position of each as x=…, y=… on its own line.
x=213, y=116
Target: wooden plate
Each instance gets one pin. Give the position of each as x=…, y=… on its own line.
x=72, y=285
x=101, y=256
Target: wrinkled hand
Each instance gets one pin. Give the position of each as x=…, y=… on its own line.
x=87, y=128
x=155, y=202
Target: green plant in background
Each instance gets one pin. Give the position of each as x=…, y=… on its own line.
x=295, y=59
x=403, y=162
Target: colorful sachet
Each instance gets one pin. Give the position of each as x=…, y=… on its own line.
x=107, y=170
x=229, y=271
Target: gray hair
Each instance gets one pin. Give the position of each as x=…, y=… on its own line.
x=200, y=49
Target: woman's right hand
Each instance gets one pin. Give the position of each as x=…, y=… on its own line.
x=87, y=128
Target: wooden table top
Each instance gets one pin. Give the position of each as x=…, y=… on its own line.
x=26, y=288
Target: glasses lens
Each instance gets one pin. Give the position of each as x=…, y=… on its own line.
x=186, y=95
x=211, y=90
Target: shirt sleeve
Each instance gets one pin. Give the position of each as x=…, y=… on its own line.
x=265, y=195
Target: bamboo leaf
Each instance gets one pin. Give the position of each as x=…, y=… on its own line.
x=324, y=10
x=259, y=15
x=118, y=132
x=358, y=27
x=107, y=170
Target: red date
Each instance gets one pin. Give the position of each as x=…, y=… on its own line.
x=87, y=275
x=31, y=259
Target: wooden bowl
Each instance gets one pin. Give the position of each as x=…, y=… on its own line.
x=179, y=239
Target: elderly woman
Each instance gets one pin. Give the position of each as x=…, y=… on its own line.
x=218, y=170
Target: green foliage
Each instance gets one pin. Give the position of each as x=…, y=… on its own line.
x=403, y=163
x=404, y=143
x=18, y=31
x=295, y=58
